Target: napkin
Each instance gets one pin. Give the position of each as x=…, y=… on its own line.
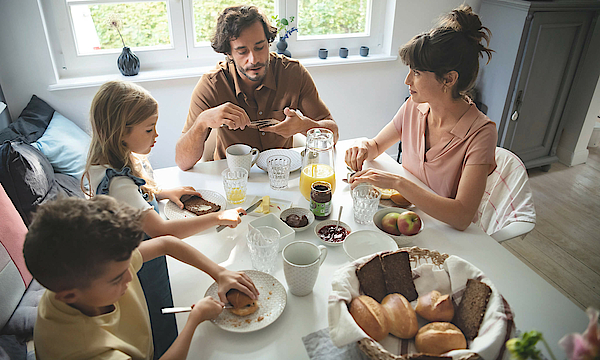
x=497, y=325
x=319, y=347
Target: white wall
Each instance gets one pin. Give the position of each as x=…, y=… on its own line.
x=361, y=97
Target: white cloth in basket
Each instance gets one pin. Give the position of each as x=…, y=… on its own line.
x=496, y=328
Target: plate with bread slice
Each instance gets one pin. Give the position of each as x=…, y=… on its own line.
x=409, y=302
x=392, y=198
x=249, y=315
x=208, y=201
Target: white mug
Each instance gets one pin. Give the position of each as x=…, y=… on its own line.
x=301, y=263
x=241, y=155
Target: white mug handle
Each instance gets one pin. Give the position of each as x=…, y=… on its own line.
x=323, y=250
x=255, y=152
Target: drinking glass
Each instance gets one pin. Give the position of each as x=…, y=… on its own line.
x=235, y=181
x=278, y=167
x=263, y=242
x=365, y=199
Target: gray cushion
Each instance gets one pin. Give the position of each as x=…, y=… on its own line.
x=23, y=319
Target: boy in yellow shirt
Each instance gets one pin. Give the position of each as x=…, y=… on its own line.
x=87, y=254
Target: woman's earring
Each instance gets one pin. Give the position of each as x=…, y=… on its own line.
x=445, y=89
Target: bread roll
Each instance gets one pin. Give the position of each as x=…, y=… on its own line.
x=437, y=338
x=242, y=304
x=399, y=200
x=387, y=193
x=370, y=316
x=435, y=307
x=403, y=319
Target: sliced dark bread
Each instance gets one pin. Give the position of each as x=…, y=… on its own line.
x=470, y=311
x=398, y=274
x=370, y=277
x=419, y=356
x=199, y=206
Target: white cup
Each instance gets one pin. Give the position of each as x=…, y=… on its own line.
x=301, y=263
x=241, y=155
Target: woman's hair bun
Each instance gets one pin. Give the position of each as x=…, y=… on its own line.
x=464, y=20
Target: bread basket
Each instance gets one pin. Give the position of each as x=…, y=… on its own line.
x=455, y=268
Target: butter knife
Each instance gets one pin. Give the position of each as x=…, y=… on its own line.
x=248, y=211
x=175, y=310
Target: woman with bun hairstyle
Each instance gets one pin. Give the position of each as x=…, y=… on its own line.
x=447, y=143
x=124, y=117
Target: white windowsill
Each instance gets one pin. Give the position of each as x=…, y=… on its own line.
x=171, y=74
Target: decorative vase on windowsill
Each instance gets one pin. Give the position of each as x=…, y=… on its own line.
x=284, y=33
x=128, y=63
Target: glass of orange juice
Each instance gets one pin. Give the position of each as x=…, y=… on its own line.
x=316, y=172
x=235, y=181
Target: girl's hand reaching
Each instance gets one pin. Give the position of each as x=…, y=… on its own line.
x=230, y=217
x=175, y=194
x=235, y=280
x=206, y=309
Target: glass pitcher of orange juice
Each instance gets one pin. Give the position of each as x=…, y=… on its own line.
x=317, y=163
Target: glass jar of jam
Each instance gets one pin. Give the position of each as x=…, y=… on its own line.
x=320, y=199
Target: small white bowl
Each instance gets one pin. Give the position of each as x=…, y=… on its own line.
x=298, y=211
x=322, y=224
x=287, y=234
x=400, y=239
x=366, y=242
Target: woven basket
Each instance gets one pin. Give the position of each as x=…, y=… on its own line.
x=372, y=348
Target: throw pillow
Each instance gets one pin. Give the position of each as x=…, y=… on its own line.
x=27, y=177
x=31, y=124
x=65, y=145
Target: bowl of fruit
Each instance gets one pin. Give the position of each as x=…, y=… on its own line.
x=400, y=224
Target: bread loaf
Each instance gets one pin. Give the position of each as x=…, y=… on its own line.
x=403, y=319
x=242, y=304
x=435, y=307
x=437, y=338
x=370, y=316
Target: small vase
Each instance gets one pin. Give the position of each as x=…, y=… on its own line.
x=128, y=63
x=282, y=48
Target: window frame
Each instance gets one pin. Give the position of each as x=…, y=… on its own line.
x=183, y=53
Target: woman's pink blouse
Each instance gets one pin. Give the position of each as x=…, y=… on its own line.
x=472, y=141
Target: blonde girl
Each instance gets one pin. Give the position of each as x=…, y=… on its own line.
x=124, y=117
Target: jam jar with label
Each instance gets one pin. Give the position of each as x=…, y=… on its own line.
x=320, y=199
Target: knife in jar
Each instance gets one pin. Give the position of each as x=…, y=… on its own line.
x=248, y=211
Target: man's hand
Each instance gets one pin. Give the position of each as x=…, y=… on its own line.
x=228, y=114
x=293, y=123
x=235, y=280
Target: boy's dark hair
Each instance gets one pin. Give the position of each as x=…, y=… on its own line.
x=455, y=44
x=233, y=20
x=71, y=240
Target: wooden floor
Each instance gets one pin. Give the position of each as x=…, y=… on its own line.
x=564, y=247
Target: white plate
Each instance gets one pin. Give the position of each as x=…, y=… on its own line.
x=172, y=211
x=296, y=159
x=365, y=242
x=271, y=302
x=276, y=206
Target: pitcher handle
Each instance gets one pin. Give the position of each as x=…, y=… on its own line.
x=323, y=250
x=255, y=153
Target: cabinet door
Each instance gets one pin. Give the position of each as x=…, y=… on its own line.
x=552, y=52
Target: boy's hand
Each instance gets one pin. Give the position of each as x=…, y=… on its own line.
x=230, y=217
x=235, y=280
x=206, y=309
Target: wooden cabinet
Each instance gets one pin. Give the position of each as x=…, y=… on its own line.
x=531, y=77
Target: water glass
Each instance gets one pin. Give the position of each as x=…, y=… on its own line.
x=365, y=199
x=263, y=242
x=235, y=181
x=278, y=167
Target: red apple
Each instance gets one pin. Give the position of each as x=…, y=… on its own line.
x=389, y=223
x=409, y=223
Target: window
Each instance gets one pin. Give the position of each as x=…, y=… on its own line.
x=172, y=34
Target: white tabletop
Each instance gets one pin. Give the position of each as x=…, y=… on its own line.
x=536, y=304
